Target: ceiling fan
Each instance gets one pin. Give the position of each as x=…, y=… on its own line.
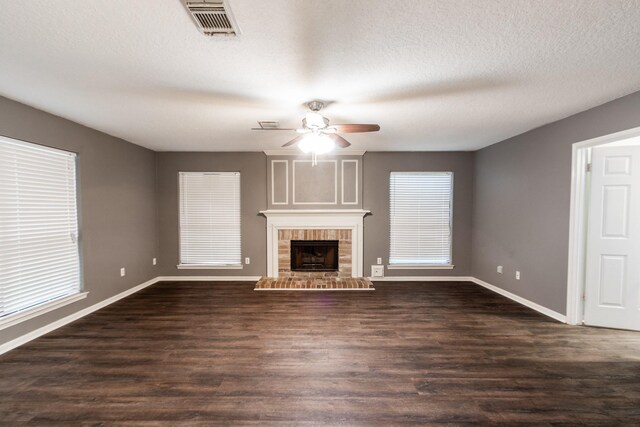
x=317, y=136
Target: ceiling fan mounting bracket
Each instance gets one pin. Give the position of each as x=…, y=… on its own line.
x=315, y=106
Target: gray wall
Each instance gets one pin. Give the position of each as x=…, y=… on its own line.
x=378, y=166
x=294, y=179
x=117, y=205
x=521, y=209
x=253, y=198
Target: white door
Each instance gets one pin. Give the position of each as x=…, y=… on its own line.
x=612, y=290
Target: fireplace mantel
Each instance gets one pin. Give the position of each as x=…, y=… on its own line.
x=287, y=219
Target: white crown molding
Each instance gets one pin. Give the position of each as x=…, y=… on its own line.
x=297, y=153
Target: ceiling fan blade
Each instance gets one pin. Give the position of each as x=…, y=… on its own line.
x=353, y=128
x=294, y=141
x=338, y=140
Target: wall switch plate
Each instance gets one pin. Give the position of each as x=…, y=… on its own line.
x=517, y=275
x=499, y=269
x=379, y=261
x=155, y=261
x=122, y=272
x=247, y=260
x=377, y=271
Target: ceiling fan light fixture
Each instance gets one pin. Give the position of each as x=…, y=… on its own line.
x=315, y=120
x=316, y=144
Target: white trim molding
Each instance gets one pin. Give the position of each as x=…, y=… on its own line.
x=72, y=317
x=578, y=217
x=520, y=300
x=10, y=345
x=537, y=307
x=298, y=153
x=419, y=267
x=342, y=162
x=23, y=316
x=286, y=182
x=422, y=279
x=209, y=267
x=292, y=219
x=208, y=278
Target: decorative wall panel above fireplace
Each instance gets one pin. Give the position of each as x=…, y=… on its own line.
x=334, y=183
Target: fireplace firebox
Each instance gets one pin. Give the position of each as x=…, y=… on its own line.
x=314, y=255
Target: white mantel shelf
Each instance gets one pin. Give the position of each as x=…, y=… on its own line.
x=298, y=153
x=328, y=212
x=287, y=219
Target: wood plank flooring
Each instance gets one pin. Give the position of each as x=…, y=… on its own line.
x=221, y=354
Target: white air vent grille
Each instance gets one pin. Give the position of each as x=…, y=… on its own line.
x=264, y=124
x=213, y=18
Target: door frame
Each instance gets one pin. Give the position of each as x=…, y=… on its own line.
x=578, y=218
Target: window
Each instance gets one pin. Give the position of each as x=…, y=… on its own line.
x=39, y=262
x=210, y=220
x=420, y=214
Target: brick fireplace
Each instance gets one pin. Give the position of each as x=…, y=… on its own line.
x=343, y=225
x=343, y=237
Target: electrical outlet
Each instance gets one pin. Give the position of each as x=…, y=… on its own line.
x=122, y=272
x=379, y=261
x=247, y=260
x=499, y=269
x=377, y=271
x=154, y=261
x=517, y=275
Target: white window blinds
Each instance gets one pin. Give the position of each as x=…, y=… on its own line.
x=39, y=258
x=420, y=216
x=210, y=219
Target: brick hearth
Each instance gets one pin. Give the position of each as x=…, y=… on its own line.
x=299, y=283
x=344, y=252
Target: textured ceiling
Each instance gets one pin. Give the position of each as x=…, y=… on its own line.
x=435, y=74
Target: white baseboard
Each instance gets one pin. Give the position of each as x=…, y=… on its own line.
x=208, y=278
x=421, y=279
x=537, y=307
x=72, y=317
x=81, y=313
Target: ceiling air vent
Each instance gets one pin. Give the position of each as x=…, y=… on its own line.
x=264, y=124
x=213, y=17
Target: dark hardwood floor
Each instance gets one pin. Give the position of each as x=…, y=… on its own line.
x=407, y=353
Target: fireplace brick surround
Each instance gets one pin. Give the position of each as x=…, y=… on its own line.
x=344, y=225
x=344, y=251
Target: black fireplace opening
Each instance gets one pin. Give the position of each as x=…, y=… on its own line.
x=314, y=255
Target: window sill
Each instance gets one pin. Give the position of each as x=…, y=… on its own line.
x=420, y=267
x=21, y=316
x=209, y=267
